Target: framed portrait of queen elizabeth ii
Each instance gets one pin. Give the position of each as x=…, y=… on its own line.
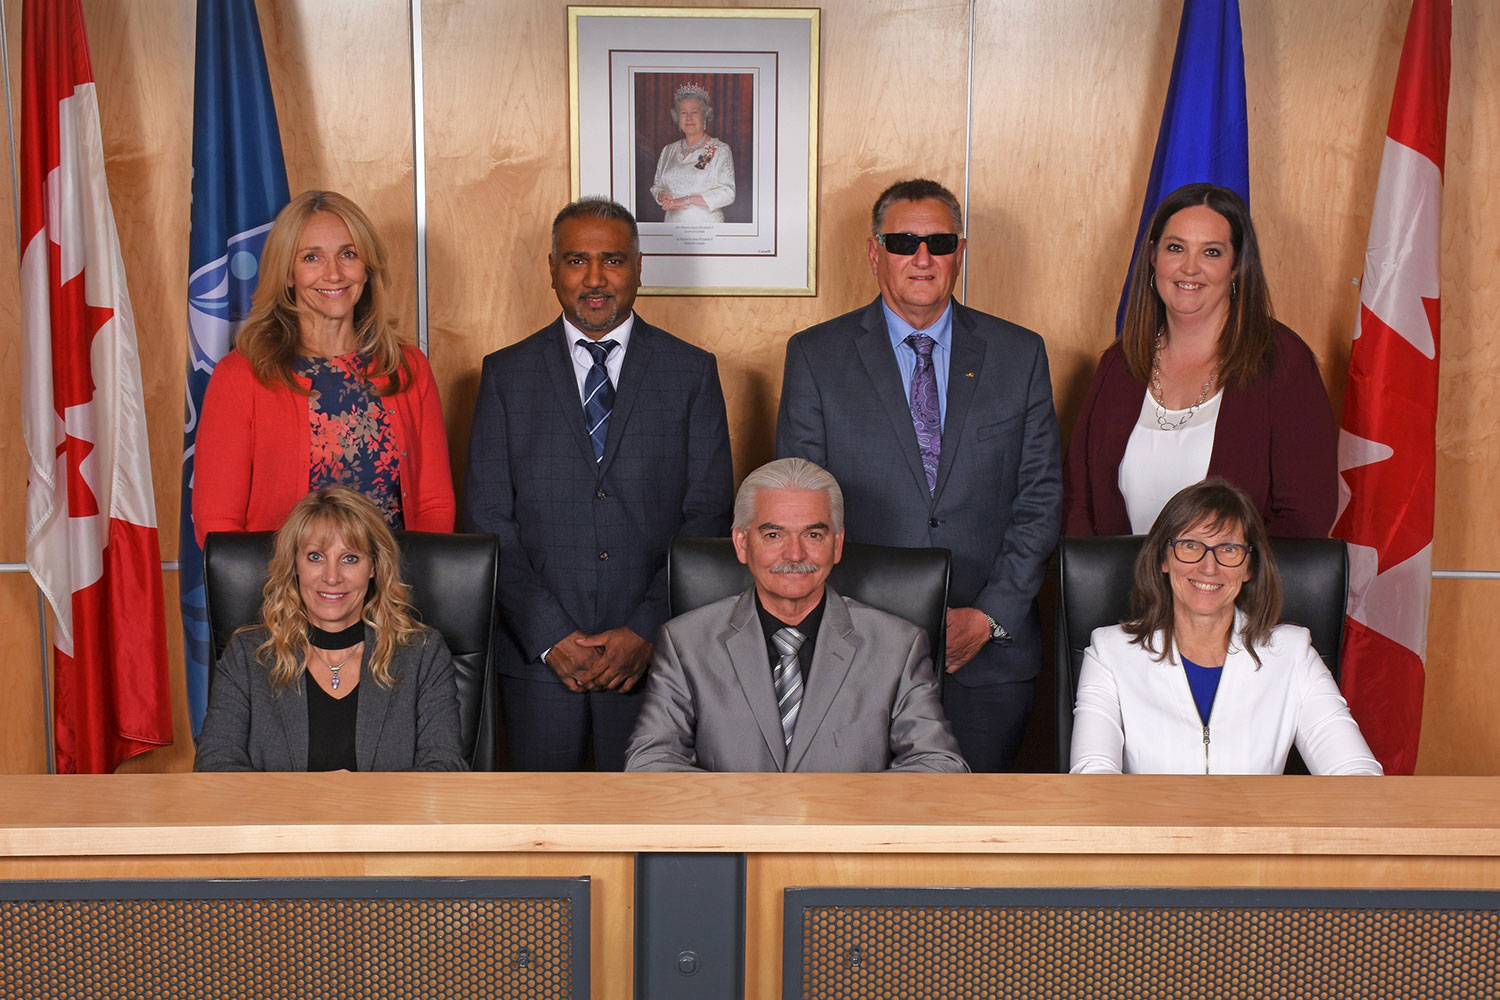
x=703, y=122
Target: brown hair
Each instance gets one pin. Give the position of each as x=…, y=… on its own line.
x=1221, y=505
x=350, y=515
x=1247, y=343
x=270, y=338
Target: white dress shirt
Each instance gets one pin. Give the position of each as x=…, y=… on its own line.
x=583, y=360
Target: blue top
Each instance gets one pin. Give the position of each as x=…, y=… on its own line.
x=1205, y=684
x=941, y=333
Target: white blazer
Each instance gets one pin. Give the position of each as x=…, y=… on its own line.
x=1136, y=714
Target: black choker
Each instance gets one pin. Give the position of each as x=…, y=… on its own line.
x=351, y=636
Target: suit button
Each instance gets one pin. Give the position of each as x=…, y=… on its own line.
x=604, y=555
x=600, y=495
x=932, y=523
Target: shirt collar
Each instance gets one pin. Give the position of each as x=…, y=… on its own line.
x=620, y=334
x=941, y=331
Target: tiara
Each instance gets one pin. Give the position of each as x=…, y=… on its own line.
x=691, y=90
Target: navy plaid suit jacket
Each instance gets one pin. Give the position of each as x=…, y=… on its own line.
x=583, y=545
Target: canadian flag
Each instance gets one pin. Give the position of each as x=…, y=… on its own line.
x=91, y=541
x=1387, y=448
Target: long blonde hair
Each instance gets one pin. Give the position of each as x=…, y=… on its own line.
x=271, y=334
x=350, y=515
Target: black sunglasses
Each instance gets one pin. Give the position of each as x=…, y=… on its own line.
x=905, y=244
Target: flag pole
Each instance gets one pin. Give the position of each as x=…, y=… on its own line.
x=15, y=198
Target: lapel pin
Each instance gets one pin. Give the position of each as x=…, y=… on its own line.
x=968, y=374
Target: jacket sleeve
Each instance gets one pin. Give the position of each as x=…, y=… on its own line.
x=432, y=505
x=224, y=739
x=438, y=744
x=1303, y=497
x=1098, y=729
x=800, y=430
x=223, y=453
x=1327, y=736
x=530, y=609
x=708, y=501
x=665, y=737
x=1036, y=509
x=921, y=739
x=1078, y=487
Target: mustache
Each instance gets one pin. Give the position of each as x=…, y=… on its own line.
x=795, y=567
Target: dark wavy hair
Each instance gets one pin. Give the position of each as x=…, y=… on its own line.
x=1247, y=343
x=1216, y=504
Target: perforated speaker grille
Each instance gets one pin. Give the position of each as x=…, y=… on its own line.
x=1105, y=952
x=288, y=948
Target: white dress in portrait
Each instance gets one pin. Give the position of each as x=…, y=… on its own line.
x=707, y=171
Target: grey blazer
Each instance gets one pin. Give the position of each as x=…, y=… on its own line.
x=411, y=726
x=998, y=502
x=583, y=543
x=871, y=702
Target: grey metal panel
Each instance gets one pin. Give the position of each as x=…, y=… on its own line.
x=690, y=926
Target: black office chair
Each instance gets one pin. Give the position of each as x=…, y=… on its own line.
x=908, y=583
x=452, y=580
x=1093, y=590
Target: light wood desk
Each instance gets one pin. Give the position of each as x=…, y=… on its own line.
x=836, y=830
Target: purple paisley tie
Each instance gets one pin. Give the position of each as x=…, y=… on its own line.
x=924, y=407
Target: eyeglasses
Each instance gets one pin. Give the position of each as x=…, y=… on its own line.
x=905, y=244
x=1227, y=554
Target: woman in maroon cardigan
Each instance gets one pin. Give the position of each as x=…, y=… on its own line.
x=320, y=389
x=1202, y=382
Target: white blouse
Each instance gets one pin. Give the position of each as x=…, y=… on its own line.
x=1158, y=463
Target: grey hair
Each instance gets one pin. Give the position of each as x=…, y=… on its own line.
x=698, y=94
x=596, y=206
x=919, y=189
x=788, y=474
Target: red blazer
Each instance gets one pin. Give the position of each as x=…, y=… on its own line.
x=1275, y=440
x=253, y=456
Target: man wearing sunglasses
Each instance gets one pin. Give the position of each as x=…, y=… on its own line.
x=937, y=420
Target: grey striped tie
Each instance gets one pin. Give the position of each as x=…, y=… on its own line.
x=788, y=678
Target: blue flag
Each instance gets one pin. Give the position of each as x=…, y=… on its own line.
x=239, y=184
x=1203, y=125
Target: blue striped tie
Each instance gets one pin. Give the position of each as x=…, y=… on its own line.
x=598, y=395
x=788, y=678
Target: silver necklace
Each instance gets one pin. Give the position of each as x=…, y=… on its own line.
x=333, y=668
x=1159, y=399
x=686, y=149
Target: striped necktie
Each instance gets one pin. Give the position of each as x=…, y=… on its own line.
x=598, y=395
x=788, y=678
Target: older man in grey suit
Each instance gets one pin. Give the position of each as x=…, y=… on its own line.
x=596, y=440
x=937, y=421
x=789, y=676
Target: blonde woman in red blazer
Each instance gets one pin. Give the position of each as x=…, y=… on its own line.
x=257, y=451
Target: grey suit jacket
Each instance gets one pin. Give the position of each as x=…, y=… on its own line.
x=584, y=544
x=411, y=726
x=871, y=701
x=998, y=501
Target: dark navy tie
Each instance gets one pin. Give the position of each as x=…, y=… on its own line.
x=598, y=395
x=924, y=407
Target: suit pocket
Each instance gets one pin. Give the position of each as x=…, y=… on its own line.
x=1007, y=426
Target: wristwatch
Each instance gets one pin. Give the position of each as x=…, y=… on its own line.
x=997, y=631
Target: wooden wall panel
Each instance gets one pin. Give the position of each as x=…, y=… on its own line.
x=1066, y=100
x=23, y=750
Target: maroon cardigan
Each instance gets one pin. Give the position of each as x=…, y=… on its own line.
x=1275, y=439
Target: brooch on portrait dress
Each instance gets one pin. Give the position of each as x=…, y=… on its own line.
x=706, y=157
